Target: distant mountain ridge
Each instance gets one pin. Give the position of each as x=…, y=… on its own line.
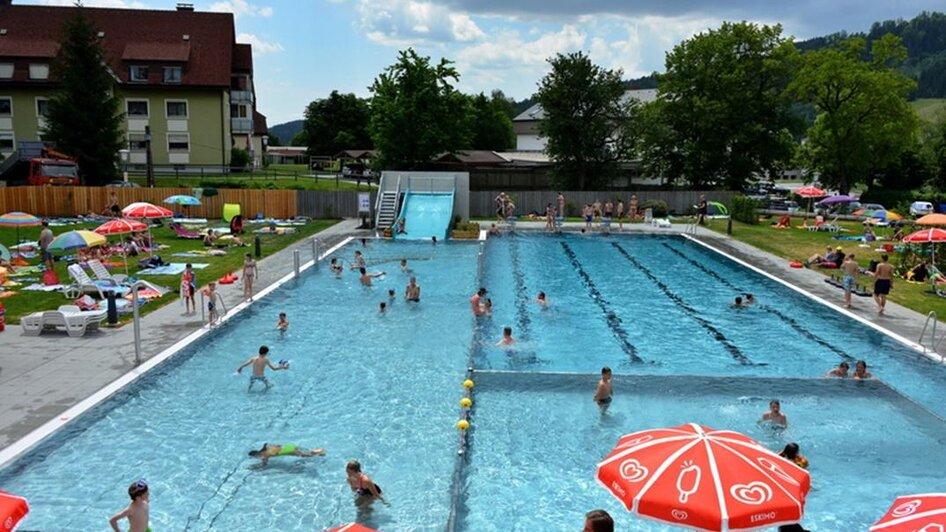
x=286, y=131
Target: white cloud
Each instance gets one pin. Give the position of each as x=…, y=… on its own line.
x=413, y=22
x=97, y=3
x=260, y=47
x=241, y=8
x=509, y=50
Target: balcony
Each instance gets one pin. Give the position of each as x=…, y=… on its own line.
x=241, y=96
x=241, y=125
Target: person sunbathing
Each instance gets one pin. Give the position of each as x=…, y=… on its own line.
x=784, y=222
x=918, y=273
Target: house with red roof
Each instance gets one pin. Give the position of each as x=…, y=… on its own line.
x=179, y=72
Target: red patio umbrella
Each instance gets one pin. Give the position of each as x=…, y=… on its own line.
x=810, y=192
x=121, y=226
x=143, y=209
x=925, y=512
x=352, y=527
x=926, y=235
x=703, y=478
x=13, y=509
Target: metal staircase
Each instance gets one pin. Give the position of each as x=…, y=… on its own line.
x=388, y=203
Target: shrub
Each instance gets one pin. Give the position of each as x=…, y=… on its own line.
x=219, y=183
x=744, y=210
x=572, y=210
x=239, y=158
x=658, y=208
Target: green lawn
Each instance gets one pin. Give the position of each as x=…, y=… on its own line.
x=27, y=302
x=796, y=244
x=264, y=181
x=930, y=109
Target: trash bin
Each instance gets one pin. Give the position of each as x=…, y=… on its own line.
x=112, y=307
x=648, y=215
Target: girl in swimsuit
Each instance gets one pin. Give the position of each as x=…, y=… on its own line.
x=249, y=272
x=365, y=488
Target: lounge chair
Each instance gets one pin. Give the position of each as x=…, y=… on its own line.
x=86, y=285
x=118, y=280
x=661, y=222
x=184, y=233
x=69, y=317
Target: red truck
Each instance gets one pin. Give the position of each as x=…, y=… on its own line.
x=34, y=163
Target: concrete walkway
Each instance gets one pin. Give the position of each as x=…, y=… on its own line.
x=41, y=377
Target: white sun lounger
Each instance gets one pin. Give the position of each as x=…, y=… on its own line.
x=73, y=320
x=661, y=222
x=86, y=285
x=119, y=280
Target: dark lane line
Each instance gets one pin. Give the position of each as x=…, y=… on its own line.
x=614, y=322
x=522, y=296
x=781, y=315
x=692, y=312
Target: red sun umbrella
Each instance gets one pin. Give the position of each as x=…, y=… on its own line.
x=925, y=512
x=703, y=478
x=926, y=235
x=12, y=510
x=810, y=192
x=353, y=527
x=144, y=209
x=121, y=226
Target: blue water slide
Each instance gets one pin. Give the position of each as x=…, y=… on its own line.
x=425, y=215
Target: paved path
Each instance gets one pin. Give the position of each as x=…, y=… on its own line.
x=40, y=377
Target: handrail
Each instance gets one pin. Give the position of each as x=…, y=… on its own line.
x=930, y=316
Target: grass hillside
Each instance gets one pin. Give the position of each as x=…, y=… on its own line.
x=930, y=109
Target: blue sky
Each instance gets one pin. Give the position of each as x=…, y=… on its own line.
x=306, y=48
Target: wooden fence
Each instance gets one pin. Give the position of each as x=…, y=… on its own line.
x=329, y=204
x=678, y=201
x=73, y=201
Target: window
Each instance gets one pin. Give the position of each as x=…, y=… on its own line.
x=237, y=110
x=6, y=141
x=6, y=70
x=42, y=106
x=176, y=108
x=137, y=142
x=172, y=74
x=138, y=73
x=39, y=71
x=137, y=108
x=6, y=106
x=178, y=142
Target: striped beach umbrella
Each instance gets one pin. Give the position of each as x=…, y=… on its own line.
x=181, y=199
x=19, y=219
x=77, y=240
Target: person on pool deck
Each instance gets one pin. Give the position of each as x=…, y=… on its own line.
x=283, y=324
x=860, y=371
x=475, y=302
x=366, y=490
x=367, y=277
x=250, y=272
x=829, y=256
x=561, y=205
x=604, y=392
x=359, y=261
x=589, y=214
x=840, y=371
x=790, y=452
x=549, y=217
x=598, y=521
x=137, y=512
x=270, y=450
x=542, y=300
x=632, y=207
x=336, y=267
x=260, y=363
x=412, y=291
x=850, y=269
x=883, y=283
x=507, y=338
x=775, y=416
x=188, y=288
x=210, y=294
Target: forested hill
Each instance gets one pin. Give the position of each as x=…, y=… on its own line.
x=925, y=39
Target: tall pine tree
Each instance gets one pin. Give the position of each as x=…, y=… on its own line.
x=84, y=118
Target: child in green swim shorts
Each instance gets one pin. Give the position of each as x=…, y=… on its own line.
x=137, y=511
x=268, y=451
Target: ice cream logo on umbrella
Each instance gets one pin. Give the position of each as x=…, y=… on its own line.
x=932, y=527
x=754, y=493
x=679, y=515
x=636, y=441
x=688, y=481
x=773, y=467
x=907, y=508
x=633, y=471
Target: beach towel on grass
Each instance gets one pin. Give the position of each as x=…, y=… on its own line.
x=175, y=268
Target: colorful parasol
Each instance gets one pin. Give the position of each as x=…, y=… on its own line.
x=145, y=210
x=352, y=527
x=932, y=219
x=13, y=509
x=121, y=226
x=181, y=199
x=19, y=219
x=76, y=240
x=698, y=477
x=810, y=192
x=925, y=512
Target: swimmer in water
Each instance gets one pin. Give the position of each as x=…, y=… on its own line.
x=359, y=263
x=366, y=491
x=737, y=303
x=475, y=302
x=336, y=267
x=137, y=512
x=382, y=307
x=507, y=338
x=283, y=324
x=412, y=291
x=791, y=452
x=860, y=371
x=367, y=277
x=404, y=267
x=542, y=300
x=775, y=416
x=604, y=392
x=270, y=450
x=486, y=309
x=840, y=371
x=260, y=363
x=392, y=295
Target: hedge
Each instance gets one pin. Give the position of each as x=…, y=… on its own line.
x=744, y=210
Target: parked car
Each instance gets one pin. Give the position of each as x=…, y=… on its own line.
x=123, y=184
x=921, y=208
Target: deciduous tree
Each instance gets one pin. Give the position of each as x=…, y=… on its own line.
x=83, y=116
x=336, y=123
x=492, y=126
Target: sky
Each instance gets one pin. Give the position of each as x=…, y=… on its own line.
x=304, y=49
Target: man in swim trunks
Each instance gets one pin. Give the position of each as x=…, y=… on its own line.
x=775, y=416
x=359, y=262
x=604, y=392
x=270, y=450
x=137, y=511
x=500, y=203
x=366, y=490
x=883, y=283
x=260, y=363
x=367, y=277
x=840, y=371
x=507, y=338
x=588, y=213
x=632, y=207
x=475, y=302
x=561, y=205
x=850, y=269
x=412, y=291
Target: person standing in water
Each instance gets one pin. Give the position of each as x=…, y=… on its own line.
x=366, y=491
x=412, y=291
x=604, y=393
x=260, y=363
x=137, y=512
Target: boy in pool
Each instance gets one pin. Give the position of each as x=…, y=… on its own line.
x=382, y=307
x=283, y=324
x=404, y=267
x=367, y=277
x=392, y=295
x=839, y=372
x=268, y=451
x=775, y=416
x=260, y=363
x=542, y=300
x=507, y=337
x=412, y=291
x=336, y=267
x=860, y=371
x=137, y=511
x=604, y=392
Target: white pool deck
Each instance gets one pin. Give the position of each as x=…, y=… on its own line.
x=41, y=378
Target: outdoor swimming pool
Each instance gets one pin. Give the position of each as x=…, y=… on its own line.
x=383, y=389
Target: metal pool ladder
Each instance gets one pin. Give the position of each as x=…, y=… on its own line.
x=931, y=316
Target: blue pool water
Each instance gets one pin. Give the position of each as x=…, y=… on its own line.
x=383, y=389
